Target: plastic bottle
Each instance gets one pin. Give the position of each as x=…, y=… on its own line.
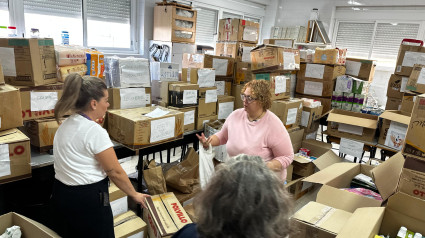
x=418, y=235
x=65, y=38
x=35, y=33
x=12, y=31
x=402, y=232
x=3, y=31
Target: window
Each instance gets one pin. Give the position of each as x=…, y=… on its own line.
x=206, y=25
x=252, y=19
x=66, y=15
x=4, y=13
x=108, y=23
x=231, y=15
x=356, y=37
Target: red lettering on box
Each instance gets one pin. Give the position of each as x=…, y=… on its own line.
x=418, y=193
x=179, y=213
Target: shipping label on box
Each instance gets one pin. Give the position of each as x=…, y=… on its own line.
x=280, y=84
x=309, y=115
x=15, y=156
x=315, y=87
x=319, y=71
x=164, y=71
x=288, y=111
x=225, y=106
x=272, y=57
x=409, y=55
x=203, y=77
x=361, y=68
x=34, y=61
x=123, y=98
x=190, y=115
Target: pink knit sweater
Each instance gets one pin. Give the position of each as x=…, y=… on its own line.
x=266, y=137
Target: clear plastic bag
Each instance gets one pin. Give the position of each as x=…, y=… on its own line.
x=183, y=34
x=184, y=24
x=184, y=13
x=206, y=165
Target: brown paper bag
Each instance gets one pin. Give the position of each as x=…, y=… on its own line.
x=154, y=178
x=184, y=175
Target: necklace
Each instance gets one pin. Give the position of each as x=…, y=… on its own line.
x=84, y=115
x=257, y=117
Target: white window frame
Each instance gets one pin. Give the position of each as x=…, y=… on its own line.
x=17, y=18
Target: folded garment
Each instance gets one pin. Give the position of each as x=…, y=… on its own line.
x=69, y=55
x=364, y=192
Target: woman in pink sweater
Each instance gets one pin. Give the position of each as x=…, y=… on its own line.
x=254, y=130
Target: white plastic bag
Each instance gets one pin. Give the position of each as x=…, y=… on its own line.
x=206, y=165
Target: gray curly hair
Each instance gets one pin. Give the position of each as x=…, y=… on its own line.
x=244, y=199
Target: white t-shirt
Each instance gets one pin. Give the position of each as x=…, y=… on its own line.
x=75, y=145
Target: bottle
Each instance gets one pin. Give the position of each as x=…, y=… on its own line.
x=3, y=31
x=12, y=31
x=402, y=232
x=65, y=38
x=35, y=33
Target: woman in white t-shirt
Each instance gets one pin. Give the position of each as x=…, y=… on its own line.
x=84, y=159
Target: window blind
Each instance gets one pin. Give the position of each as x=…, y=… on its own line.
x=231, y=15
x=388, y=37
x=63, y=8
x=109, y=10
x=356, y=37
x=252, y=19
x=206, y=25
x=3, y=5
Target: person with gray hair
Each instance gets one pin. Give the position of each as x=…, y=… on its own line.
x=243, y=199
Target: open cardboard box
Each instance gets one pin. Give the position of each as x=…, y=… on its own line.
x=339, y=176
x=29, y=227
x=394, y=123
x=322, y=151
x=352, y=125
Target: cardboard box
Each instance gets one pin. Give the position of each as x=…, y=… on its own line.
x=238, y=30
x=352, y=125
x=190, y=114
x=118, y=200
x=183, y=95
x=349, y=84
x=236, y=92
x=272, y=57
x=225, y=106
x=330, y=56
x=309, y=115
x=280, y=84
x=363, y=69
x=127, y=72
x=288, y=111
x=190, y=210
x=132, y=128
x=416, y=81
x=401, y=210
x=223, y=65
x=185, y=198
x=311, y=132
x=320, y=71
x=10, y=108
x=408, y=102
x=393, y=104
x=41, y=132
x=287, y=43
x=396, y=86
x=243, y=73
x=29, y=227
x=239, y=50
x=165, y=215
x=44, y=96
x=164, y=71
x=129, y=225
x=393, y=129
x=34, y=61
x=160, y=91
x=123, y=98
x=206, y=109
x=415, y=141
x=201, y=120
x=17, y=156
x=339, y=175
x=409, y=55
x=412, y=178
x=224, y=86
x=315, y=87
x=203, y=92
x=296, y=135
x=204, y=77
x=321, y=150
x=1, y=75
x=326, y=102
x=318, y=220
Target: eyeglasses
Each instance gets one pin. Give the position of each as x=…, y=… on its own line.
x=248, y=98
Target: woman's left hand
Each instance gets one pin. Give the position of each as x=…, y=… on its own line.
x=140, y=198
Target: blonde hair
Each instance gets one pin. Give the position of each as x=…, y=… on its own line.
x=261, y=90
x=77, y=93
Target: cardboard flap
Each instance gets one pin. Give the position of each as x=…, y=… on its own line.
x=317, y=143
x=12, y=135
x=266, y=45
x=369, y=219
x=387, y=174
x=330, y=173
x=408, y=205
x=396, y=116
x=8, y=132
x=324, y=217
x=326, y=160
x=353, y=120
x=344, y=200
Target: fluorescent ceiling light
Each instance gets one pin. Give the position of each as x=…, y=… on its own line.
x=356, y=9
x=394, y=24
x=353, y=2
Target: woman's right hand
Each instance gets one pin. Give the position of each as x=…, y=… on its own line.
x=205, y=141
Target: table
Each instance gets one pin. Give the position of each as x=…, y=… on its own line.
x=368, y=146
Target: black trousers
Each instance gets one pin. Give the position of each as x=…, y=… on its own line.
x=81, y=211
